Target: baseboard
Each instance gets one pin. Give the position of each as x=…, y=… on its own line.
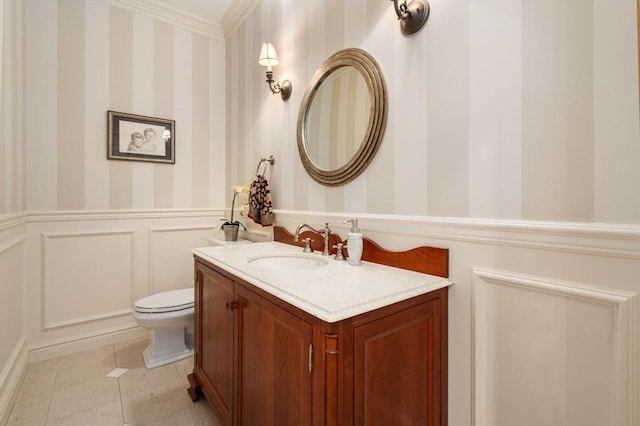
x=11, y=378
x=77, y=344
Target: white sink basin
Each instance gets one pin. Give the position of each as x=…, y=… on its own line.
x=288, y=261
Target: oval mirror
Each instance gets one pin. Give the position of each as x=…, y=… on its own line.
x=342, y=117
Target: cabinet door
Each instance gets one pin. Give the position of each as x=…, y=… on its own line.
x=273, y=366
x=397, y=366
x=214, y=339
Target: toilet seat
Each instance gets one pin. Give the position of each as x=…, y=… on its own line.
x=168, y=301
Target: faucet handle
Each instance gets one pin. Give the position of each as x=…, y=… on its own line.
x=307, y=246
x=339, y=255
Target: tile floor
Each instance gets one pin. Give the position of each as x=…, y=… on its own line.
x=73, y=391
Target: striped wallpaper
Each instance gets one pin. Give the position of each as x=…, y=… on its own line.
x=82, y=58
x=511, y=109
x=498, y=109
x=12, y=147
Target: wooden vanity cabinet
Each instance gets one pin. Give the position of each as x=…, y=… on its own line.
x=251, y=357
x=398, y=362
x=214, y=341
x=273, y=374
x=263, y=362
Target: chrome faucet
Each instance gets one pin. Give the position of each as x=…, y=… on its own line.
x=326, y=232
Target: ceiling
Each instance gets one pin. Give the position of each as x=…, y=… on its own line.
x=210, y=10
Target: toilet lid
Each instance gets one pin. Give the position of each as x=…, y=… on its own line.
x=168, y=301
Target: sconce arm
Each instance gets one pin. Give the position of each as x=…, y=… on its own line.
x=412, y=16
x=283, y=89
x=401, y=10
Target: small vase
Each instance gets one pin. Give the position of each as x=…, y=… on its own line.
x=230, y=232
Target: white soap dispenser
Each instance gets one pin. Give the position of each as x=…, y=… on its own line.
x=354, y=243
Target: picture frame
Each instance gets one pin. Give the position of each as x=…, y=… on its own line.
x=140, y=138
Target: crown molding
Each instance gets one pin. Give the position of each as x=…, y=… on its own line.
x=173, y=16
x=236, y=15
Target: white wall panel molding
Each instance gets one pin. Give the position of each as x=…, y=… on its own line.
x=8, y=221
x=170, y=258
x=86, y=319
x=85, y=341
x=86, y=276
x=11, y=243
x=552, y=352
x=173, y=16
x=180, y=228
x=86, y=215
x=594, y=239
x=11, y=377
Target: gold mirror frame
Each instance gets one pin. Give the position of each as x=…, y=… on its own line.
x=368, y=67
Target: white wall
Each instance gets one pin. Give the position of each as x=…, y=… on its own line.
x=544, y=322
x=87, y=57
x=512, y=140
x=13, y=229
x=103, y=233
x=86, y=269
x=497, y=109
x=518, y=112
x=13, y=341
x=82, y=237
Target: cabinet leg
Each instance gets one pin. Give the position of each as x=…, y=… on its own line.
x=194, y=390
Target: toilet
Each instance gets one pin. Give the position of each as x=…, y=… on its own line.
x=169, y=316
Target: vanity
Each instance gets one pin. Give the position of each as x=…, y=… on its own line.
x=291, y=338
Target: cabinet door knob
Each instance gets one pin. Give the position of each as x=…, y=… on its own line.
x=231, y=305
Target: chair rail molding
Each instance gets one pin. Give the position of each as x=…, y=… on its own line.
x=622, y=241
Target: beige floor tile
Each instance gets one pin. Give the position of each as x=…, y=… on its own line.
x=186, y=417
x=84, y=396
x=154, y=381
x=39, y=379
x=207, y=414
x=84, y=372
x=42, y=368
x=145, y=408
x=30, y=411
x=129, y=354
x=129, y=343
x=72, y=390
x=184, y=367
x=91, y=356
x=86, y=366
x=105, y=415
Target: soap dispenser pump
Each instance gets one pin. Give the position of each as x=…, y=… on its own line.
x=354, y=243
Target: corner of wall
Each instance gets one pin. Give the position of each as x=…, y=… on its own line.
x=11, y=377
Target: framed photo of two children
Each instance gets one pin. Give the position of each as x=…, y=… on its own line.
x=140, y=138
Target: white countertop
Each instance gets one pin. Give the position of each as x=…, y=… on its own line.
x=333, y=292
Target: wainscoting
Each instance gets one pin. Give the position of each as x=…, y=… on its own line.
x=86, y=269
x=14, y=352
x=552, y=352
x=543, y=317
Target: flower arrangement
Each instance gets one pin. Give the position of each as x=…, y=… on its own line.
x=243, y=191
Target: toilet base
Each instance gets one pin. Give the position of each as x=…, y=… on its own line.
x=172, y=348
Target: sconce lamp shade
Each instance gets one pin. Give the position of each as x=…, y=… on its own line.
x=269, y=58
x=268, y=55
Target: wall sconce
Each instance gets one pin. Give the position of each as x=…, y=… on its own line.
x=412, y=16
x=269, y=59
